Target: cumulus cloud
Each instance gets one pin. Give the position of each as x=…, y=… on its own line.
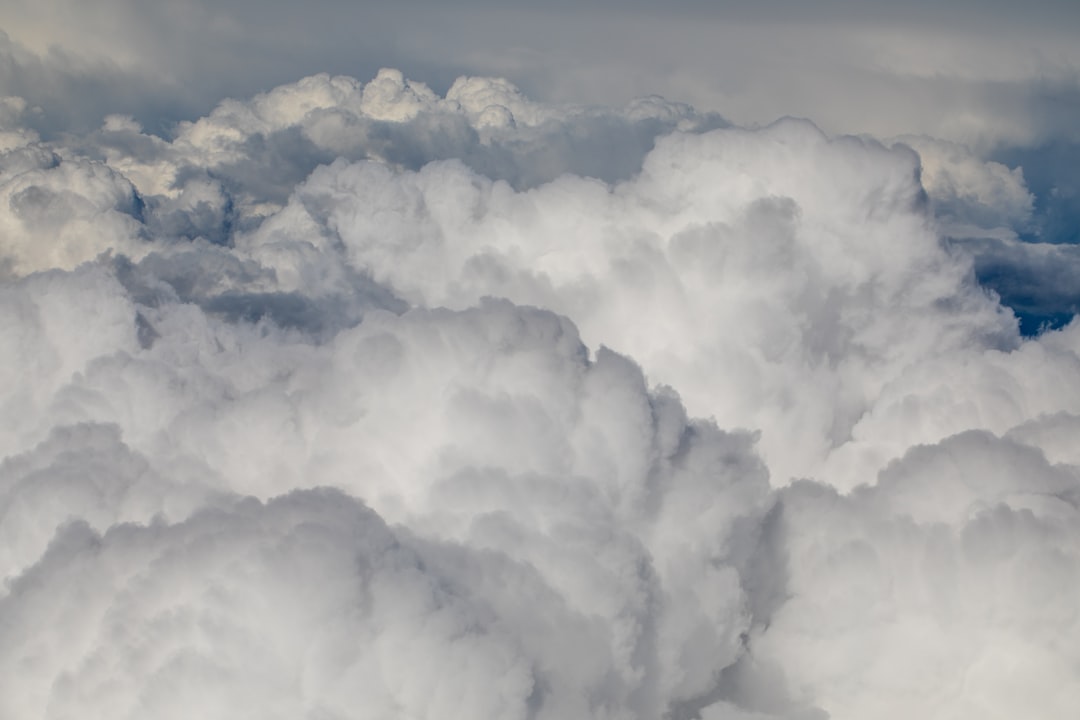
x=1048, y=170
x=1036, y=279
x=360, y=400
x=973, y=197
x=920, y=584
x=1019, y=233
x=769, y=299
x=83, y=208
x=269, y=144
x=530, y=471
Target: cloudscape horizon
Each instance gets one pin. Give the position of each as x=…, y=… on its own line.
x=515, y=389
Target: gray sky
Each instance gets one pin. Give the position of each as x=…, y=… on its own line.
x=984, y=73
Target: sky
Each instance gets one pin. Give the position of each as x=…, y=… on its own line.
x=601, y=360
x=986, y=72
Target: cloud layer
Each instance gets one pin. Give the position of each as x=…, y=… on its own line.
x=966, y=71
x=357, y=400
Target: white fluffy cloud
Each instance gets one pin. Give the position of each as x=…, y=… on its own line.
x=769, y=298
x=59, y=213
x=573, y=509
x=358, y=400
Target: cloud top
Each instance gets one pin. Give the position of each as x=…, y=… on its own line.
x=355, y=400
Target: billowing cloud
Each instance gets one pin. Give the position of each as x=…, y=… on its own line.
x=972, y=197
x=357, y=400
x=770, y=299
x=572, y=509
x=920, y=584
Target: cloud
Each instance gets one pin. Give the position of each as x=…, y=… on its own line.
x=770, y=300
x=973, y=197
x=965, y=72
x=362, y=399
x=920, y=584
x=1035, y=279
x=261, y=630
x=525, y=466
x=1019, y=232
x=1057, y=196
x=281, y=136
x=84, y=207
